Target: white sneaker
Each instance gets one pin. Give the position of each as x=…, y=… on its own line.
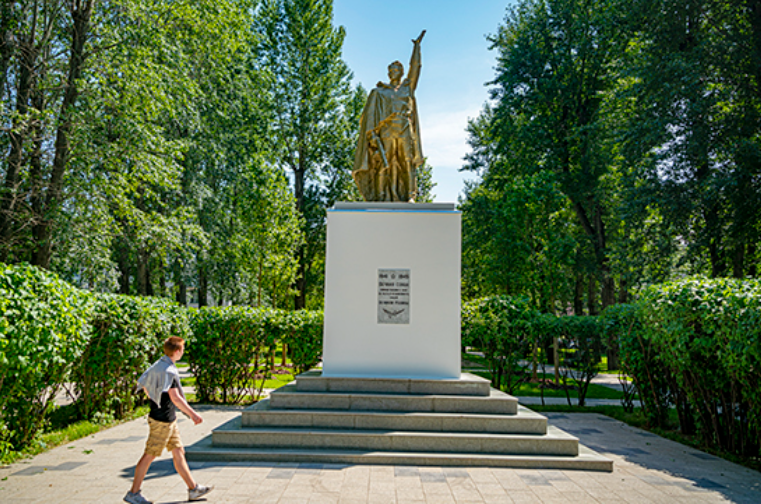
x=198, y=492
x=136, y=498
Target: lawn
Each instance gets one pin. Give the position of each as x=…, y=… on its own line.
x=528, y=389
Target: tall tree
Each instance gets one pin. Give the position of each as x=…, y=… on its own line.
x=43, y=58
x=552, y=73
x=308, y=83
x=694, y=128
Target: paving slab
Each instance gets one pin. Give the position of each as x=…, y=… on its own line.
x=647, y=469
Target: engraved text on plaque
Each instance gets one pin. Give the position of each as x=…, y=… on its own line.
x=393, y=296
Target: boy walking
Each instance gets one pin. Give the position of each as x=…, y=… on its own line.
x=162, y=384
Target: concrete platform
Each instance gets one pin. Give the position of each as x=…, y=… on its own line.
x=314, y=422
x=525, y=422
x=468, y=384
x=289, y=397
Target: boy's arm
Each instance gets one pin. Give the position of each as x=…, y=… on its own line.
x=182, y=404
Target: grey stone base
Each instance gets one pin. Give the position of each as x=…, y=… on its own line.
x=468, y=384
x=364, y=421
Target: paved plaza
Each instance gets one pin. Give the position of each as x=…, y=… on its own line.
x=648, y=468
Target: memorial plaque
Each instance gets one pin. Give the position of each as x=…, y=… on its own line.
x=393, y=296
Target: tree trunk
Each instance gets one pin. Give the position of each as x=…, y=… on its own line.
x=124, y=269
x=142, y=272
x=299, y=302
x=8, y=28
x=181, y=293
x=203, y=287
x=81, y=11
x=18, y=136
x=35, y=169
x=623, y=291
x=148, y=280
x=738, y=260
x=752, y=254
x=592, y=296
x=578, y=296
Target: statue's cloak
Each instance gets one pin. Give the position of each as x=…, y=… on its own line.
x=379, y=106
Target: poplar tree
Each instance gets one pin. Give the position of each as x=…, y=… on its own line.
x=309, y=88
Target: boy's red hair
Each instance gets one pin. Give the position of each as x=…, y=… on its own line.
x=172, y=344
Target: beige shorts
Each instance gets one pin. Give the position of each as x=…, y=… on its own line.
x=162, y=435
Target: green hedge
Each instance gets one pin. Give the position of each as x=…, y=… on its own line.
x=232, y=348
x=52, y=334
x=581, y=345
x=509, y=332
x=501, y=328
x=708, y=334
x=44, y=331
x=127, y=337
x=640, y=359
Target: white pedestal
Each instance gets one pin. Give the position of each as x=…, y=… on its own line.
x=364, y=238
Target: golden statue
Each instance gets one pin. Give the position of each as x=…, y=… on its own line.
x=388, y=149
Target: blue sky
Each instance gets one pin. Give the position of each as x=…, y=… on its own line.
x=456, y=66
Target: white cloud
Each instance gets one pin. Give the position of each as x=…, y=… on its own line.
x=445, y=144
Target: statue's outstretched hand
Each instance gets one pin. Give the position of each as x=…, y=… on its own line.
x=420, y=38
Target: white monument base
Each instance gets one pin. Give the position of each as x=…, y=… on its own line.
x=392, y=291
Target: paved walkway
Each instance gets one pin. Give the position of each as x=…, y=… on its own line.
x=99, y=468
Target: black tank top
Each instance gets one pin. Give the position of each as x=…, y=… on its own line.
x=164, y=412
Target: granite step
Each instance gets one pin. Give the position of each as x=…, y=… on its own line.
x=552, y=443
x=586, y=459
x=524, y=422
x=289, y=397
x=466, y=385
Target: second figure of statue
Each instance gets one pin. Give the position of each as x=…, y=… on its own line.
x=388, y=149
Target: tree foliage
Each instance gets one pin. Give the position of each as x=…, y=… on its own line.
x=313, y=114
x=645, y=119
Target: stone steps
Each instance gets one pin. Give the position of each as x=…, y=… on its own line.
x=525, y=422
x=398, y=441
x=586, y=459
x=395, y=421
x=468, y=384
x=289, y=397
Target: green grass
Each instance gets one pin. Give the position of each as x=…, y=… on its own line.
x=275, y=380
x=474, y=362
x=529, y=389
x=62, y=430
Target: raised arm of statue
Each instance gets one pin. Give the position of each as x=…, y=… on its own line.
x=414, y=69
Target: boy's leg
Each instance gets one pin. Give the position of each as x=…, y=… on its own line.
x=181, y=465
x=141, y=469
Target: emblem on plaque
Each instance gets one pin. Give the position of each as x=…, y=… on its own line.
x=393, y=296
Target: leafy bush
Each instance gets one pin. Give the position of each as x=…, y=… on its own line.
x=581, y=338
x=640, y=360
x=127, y=337
x=302, y=333
x=708, y=334
x=230, y=349
x=500, y=327
x=43, y=331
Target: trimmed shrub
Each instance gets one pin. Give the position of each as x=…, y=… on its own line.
x=43, y=332
x=581, y=341
x=127, y=337
x=233, y=345
x=302, y=333
x=230, y=351
x=708, y=334
x=640, y=360
x=500, y=327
